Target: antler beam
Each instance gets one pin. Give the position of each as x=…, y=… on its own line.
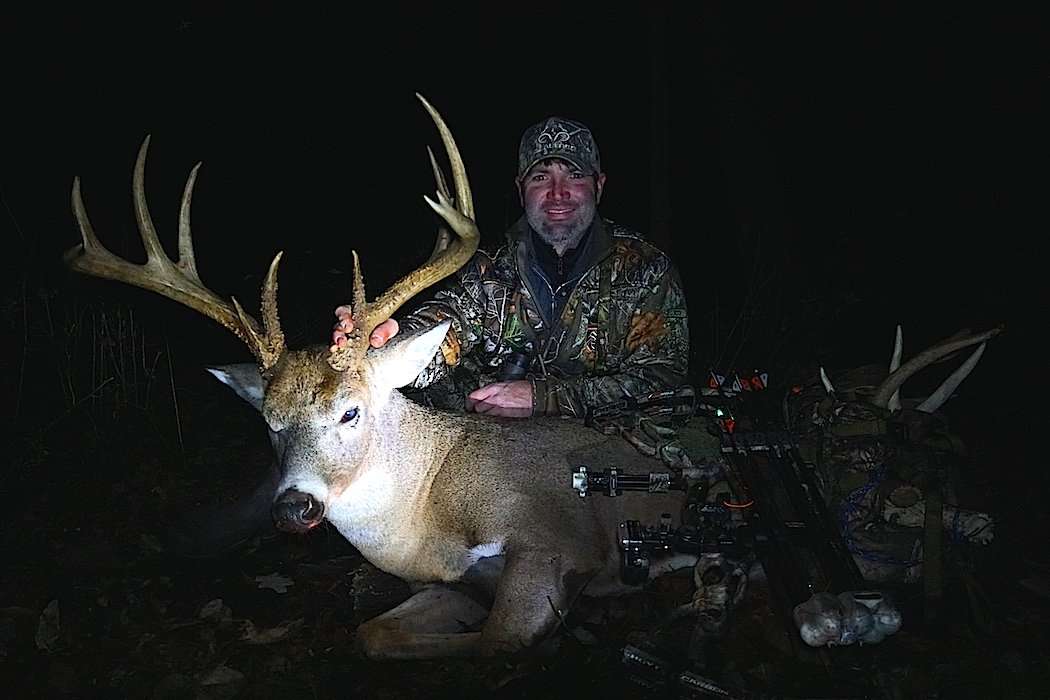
x=924, y=359
x=448, y=256
x=179, y=280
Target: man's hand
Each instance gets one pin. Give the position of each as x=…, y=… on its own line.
x=383, y=332
x=509, y=399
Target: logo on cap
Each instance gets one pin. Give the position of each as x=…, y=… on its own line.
x=558, y=138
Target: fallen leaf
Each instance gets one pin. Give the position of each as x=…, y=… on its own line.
x=275, y=582
x=221, y=675
x=252, y=635
x=217, y=611
x=151, y=543
x=48, y=629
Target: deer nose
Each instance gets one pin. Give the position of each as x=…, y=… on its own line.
x=295, y=511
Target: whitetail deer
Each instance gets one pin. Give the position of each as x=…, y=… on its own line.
x=863, y=428
x=430, y=497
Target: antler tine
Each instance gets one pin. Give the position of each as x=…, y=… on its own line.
x=274, y=345
x=445, y=260
x=829, y=388
x=359, y=300
x=949, y=385
x=444, y=238
x=439, y=177
x=89, y=241
x=148, y=233
x=459, y=171
x=343, y=358
x=924, y=359
x=177, y=281
x=460, y=219
x=187, y=258
x=894, y=402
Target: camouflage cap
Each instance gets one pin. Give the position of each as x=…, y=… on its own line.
x=556, y=137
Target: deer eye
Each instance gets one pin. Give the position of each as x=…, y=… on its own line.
x=349, y=415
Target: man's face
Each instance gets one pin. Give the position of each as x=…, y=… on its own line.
x=560, y=202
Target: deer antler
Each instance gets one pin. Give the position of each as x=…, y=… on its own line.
x=177, y=280
x=926, y=358
x=448, y=255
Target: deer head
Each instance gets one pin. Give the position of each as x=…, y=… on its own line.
x=876, y=454
x=326, y=410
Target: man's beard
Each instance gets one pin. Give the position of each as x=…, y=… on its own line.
x=562, y=235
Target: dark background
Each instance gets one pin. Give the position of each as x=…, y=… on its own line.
x=818, y=172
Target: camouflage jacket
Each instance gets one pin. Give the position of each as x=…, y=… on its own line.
x=622, y=331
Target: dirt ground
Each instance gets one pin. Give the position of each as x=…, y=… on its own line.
x=92, y=605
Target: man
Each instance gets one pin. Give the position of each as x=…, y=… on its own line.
x=573, y=313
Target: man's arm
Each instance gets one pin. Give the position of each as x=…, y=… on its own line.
x=656, y=343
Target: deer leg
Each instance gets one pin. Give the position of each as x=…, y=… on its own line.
x=535, y=592
x=439, y=621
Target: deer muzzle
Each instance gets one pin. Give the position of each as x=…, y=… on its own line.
x=295, y=511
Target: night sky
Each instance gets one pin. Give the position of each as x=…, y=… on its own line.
x=828, y=172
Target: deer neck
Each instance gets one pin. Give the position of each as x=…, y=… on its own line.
x=376, y=512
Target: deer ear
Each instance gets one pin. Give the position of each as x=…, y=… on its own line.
x=244, y=379
x=400, y=361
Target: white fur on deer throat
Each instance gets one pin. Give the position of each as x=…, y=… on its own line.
x=364, y=512
x=370, y=513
